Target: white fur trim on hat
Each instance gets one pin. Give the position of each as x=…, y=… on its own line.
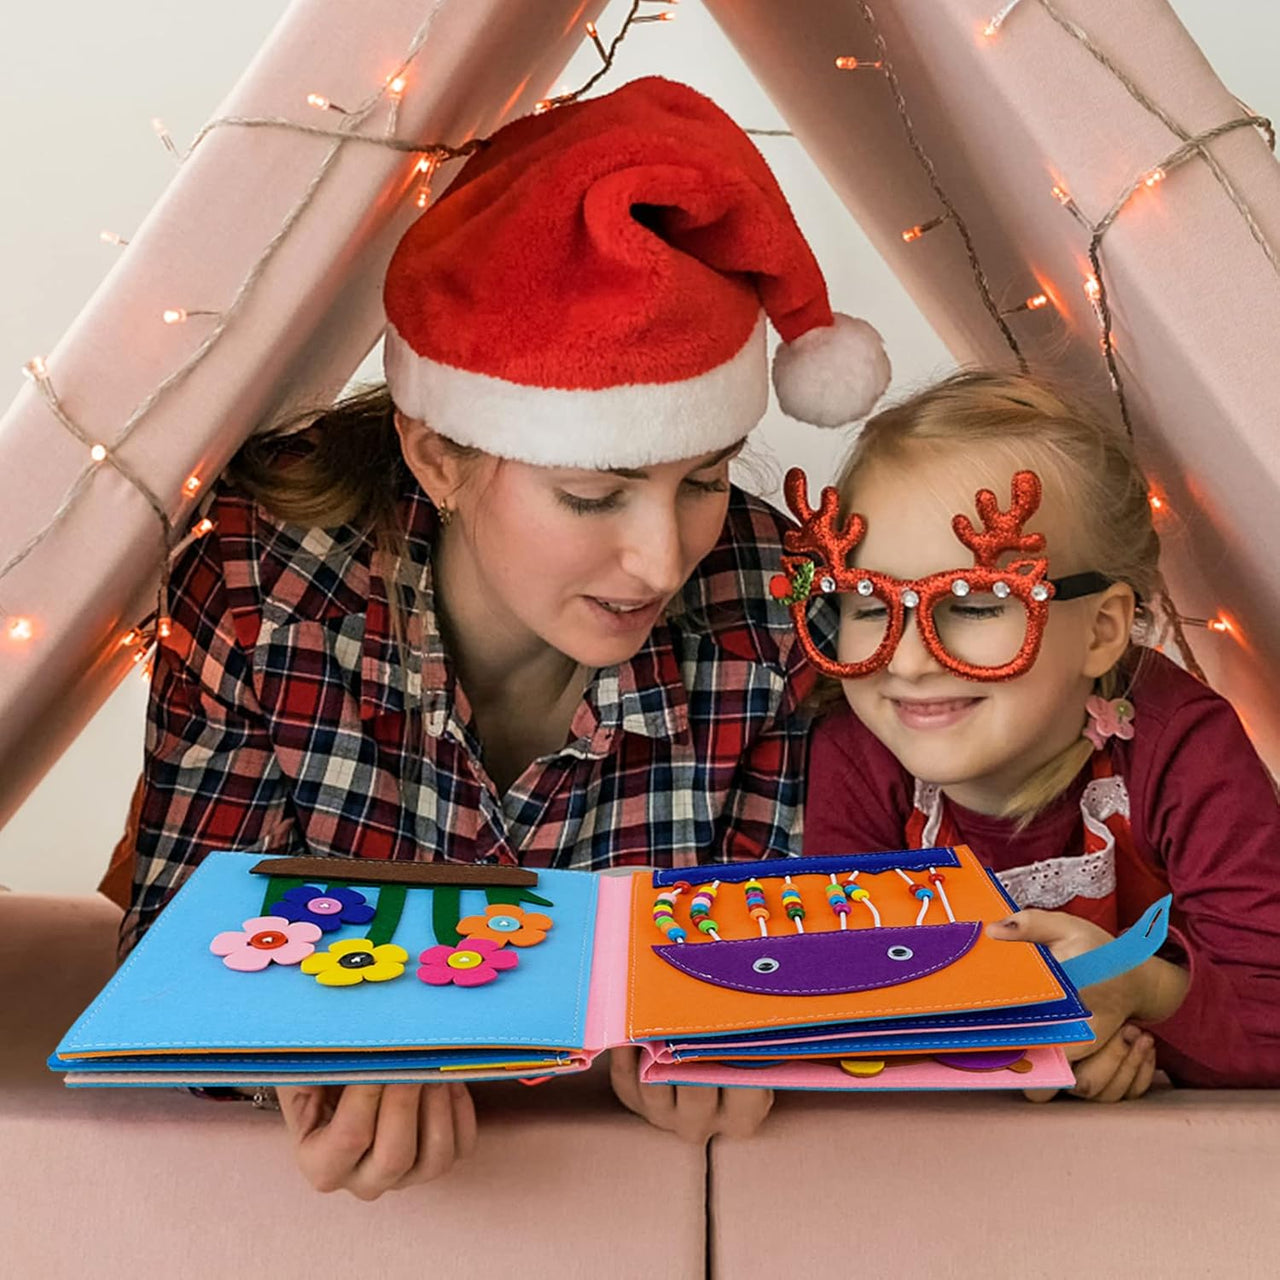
x=625, y=426
x=833, y=374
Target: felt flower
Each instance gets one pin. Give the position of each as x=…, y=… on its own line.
x=356, y=960
x=329, y=910
x=265, y=940
x=1108, y=719
x=471, y=964
x=502, y=924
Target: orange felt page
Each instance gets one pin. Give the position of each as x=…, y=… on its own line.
x=664, y=1002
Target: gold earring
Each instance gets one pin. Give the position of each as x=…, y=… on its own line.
x=444, y=513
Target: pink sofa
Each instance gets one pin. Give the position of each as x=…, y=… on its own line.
x=565, y=1184
x=122, y=1183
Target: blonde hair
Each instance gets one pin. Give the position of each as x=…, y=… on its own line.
x=1078, y=451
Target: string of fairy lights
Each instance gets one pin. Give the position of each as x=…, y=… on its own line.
x=22, y=628
x=1191, y=147
x=430, y=156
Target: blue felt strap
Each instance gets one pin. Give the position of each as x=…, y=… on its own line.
x=823, y=864
x=1137, y=943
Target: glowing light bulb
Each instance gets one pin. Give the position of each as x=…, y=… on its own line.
x=997, y=19
x=1037, y=301
x=36, y=369
x=129, y=637
x=191, y=485
x=911, y=234
x=98, y=452
x=110, y=237
x=1156, y=501
x=397, y=85
x=205, y=526
x=164, y=628
x=21, y=629
x=175, y=315
x=138, y=657
x=1062, y=196
x=1092, y=289
x=1221, y=624
x=319, y=101
x=858, y=64
x=1154, y=178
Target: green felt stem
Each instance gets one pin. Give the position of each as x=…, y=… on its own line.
x=277, y=887
x=446, y=911
x=382, y=927
x=514, y=897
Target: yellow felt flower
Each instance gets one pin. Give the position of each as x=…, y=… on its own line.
x=355, y=960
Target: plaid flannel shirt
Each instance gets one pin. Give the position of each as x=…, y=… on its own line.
x=282, y=719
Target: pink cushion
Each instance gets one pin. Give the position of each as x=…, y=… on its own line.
x=113, y=1182
x=1180, y=1183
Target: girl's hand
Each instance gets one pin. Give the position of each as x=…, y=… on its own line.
x=1120, y=1062
x=692, y=1112
x=371, y=1138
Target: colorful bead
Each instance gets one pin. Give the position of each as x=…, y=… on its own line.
x=838, y=902
x=707, y=925
x=792, y=903
x=759, y=913
x=671, y=930
x=936, y=877
x=856, y=894
x=921, y=892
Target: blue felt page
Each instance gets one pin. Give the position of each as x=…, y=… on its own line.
x=173, y=994
x=912, y=1041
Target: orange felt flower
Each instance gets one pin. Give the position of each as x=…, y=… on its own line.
x=502, y=923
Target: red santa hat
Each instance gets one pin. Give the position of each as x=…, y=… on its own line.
x=591, y=292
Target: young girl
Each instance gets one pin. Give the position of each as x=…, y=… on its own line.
x=1091, y=774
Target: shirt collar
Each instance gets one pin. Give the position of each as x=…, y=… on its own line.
x=644, y=696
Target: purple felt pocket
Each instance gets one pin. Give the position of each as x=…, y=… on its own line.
x=824, y=964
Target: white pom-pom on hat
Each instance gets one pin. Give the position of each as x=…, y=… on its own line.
x=833, y=374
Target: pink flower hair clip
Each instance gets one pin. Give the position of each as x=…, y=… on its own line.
x=1108, y=719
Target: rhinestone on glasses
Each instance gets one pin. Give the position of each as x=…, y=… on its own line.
x=827, y=584
x=910, y=599
x=960, y=588
x=1039, y=592
x=864, y=587
x=1000, y=590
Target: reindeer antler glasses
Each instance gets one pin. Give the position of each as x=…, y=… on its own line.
x=984, y=622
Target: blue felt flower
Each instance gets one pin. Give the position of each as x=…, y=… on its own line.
x=330, y=909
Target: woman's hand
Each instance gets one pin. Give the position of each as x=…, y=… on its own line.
x=371, y=1138
x=1120, y=1062
x=691, y=1112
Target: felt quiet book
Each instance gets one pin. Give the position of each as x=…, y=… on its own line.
x=870, y=971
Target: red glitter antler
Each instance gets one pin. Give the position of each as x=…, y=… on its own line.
x=819, y=533
x=1002, y=530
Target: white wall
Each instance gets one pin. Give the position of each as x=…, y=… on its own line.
x=79, y=84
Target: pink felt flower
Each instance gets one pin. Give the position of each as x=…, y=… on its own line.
x=265, y=940
x=471, y=964
x=1108, y=719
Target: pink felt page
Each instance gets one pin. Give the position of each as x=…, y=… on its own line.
x=1049, y=1069
x=607, y=1002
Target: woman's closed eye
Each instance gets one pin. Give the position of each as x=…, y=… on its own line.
x=586, y=506
x=612, y=501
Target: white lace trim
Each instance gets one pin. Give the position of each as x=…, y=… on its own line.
x=1055, y=881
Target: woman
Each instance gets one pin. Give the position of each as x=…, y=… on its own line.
x=510, y=610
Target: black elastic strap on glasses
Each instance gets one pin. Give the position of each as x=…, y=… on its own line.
x=1075, y=585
